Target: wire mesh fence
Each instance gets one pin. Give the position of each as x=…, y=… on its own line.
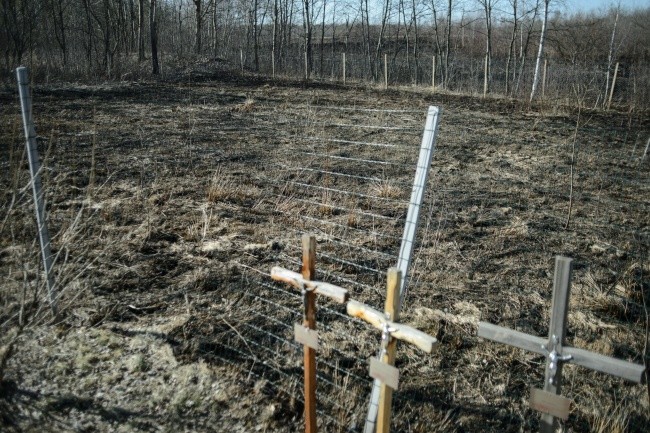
x=564, y=83
x=345, y=175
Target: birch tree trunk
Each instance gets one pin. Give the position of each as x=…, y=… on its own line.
x=487, y=9
x=447, y=46
x=511, y=48
x=523, y=49
x=540, y=51
x=610, y=55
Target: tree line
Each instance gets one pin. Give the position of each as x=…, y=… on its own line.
x=496, y=46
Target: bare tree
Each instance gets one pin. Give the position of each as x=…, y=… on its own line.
x=447, y=45
x=384, y=22
x=199, y=25
x=488, y=7
x=141, y=30
x=57, y=10
x=153, y=26
x=365, y=26
x=322, y=38
x=108, y=25
x=540, y=51
x=525, y=43
x=307, y=26
x=436, y=34
x=610, y=55
x=511, y=47
x=416, y=53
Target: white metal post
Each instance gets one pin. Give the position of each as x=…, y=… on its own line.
x=22, y=74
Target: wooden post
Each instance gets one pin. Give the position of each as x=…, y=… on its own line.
x=308, y=273
x=273, y=64
x=611, y=90
x=306, y=334
x=485, y=77
x=343, y=60
x=385, y=71
x=306, y=66
x=22, y=74
x=241, y=59
x=548, y=401
x=391, y=308
x=386, y=376
x=433, y=73
x=544, y=78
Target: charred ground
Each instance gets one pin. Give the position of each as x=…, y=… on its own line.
x=160, y=199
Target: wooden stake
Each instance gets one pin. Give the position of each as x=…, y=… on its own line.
x=343, y=60
x=433, y=73
x=392, y=312
x=611, y=91
x=485, y=77
x=308, y=273
x=544, y=78
x=382, y=371
x=306, y=334
x=385, y=71
x=241, y=60
x=273, y=64
x=22, y=75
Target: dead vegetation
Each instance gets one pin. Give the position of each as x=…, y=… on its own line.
x=163, y=313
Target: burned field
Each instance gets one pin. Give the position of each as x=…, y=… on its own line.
x=169, y=202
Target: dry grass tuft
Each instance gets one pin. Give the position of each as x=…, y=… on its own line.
x=352, y=220
x=611, y=422
x=289, y=206
x=222, y=186
x=516, y=228
x=326, y=208
x=384, y=189
x=245, y=107
x=200, y=226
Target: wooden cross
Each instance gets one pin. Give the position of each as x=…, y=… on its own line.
x=306, y=333
x=549, y=401
x=381, y=368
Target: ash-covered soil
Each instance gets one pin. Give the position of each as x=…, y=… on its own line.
x=161, y=199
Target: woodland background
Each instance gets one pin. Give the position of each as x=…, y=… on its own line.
x=129, y=39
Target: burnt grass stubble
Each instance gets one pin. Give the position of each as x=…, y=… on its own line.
x=140, y=175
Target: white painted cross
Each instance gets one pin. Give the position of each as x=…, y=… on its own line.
x=549, y=401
